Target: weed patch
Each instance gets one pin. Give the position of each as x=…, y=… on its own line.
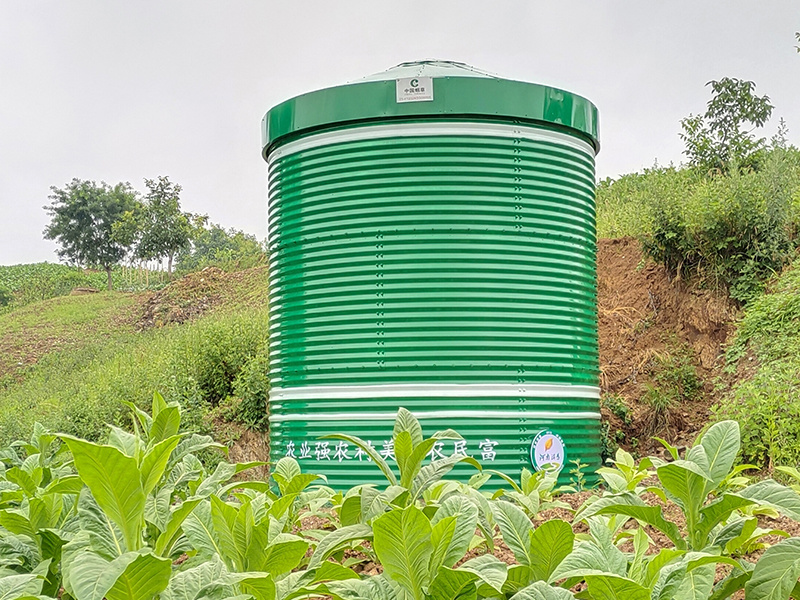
x=767, y=403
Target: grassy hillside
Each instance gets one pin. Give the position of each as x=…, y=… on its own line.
x=71, y=362
x=738, y=236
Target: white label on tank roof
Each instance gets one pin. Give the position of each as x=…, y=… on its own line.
x=414, y=89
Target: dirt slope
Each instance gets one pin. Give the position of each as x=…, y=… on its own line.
x=644, y=315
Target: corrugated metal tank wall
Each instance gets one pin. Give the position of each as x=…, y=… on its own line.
x=445, y=264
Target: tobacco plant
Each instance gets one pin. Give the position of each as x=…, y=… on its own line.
x=700, y=485
x=535, y=492
x=140, y=518
x=411, y=450
x=419, y=554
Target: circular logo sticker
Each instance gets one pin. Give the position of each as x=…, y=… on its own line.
x=548, y=452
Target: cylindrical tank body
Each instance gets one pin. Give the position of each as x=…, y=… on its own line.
x=432, y=246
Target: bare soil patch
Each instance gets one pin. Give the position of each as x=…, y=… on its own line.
x=644, y=314
x=196, y=294
x=183, y=299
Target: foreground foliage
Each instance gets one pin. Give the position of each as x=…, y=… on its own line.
x=140, y=517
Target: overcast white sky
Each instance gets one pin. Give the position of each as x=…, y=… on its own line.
x=122, y=90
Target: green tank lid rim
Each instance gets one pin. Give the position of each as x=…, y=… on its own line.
x=459, y=92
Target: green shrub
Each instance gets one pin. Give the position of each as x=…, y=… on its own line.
x=767, y=408
x=251, y=386
x=731, y=232
x=230, y=250
x=27, y=283
x=79, y=390
x=616, y=405
x=624, y=204
x=209, y=357
x=5, y=296
x=767, y=403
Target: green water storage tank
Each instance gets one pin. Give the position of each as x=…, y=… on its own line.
x=432, y=245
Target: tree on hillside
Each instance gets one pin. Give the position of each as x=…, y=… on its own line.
x=724, y=134
x=230, y=249
x=83, y=215
x=159, y=227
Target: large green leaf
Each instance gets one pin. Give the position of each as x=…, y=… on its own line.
x=403, y=449
x=22, y=479
x=142, y=579
x=373, y=588
x=719, y=511
x=517, y=578
x=350, y=511
x=199, y=529
x=244, y=533
x=287, y=468
x=413, y=463
x=630, y=505
x=453, y=584
x=20, y=586
x=165, y=425
x=185, y=585
x=657, y=564
x=131, y=576
x=124, y=441
x=106, y=538
x=550, y=543
x=17, y=550
x=223, y=517
x=614, y=587
x=283, y=554
x=115, y=483
x=337, y=540
x=70, y=484
x=541, y=591
x=402, y=543
x=697, y=583
x=260, y=587
x=405, y=421
x=771, y=493
x=516, y=529
x=300, y=482
x=375, y=503
x=155, y=462
x=466, y=514
x=491, y=570
x=776, y=574
x=686, y=482
x=169, y=537
x=441, y=535
x=16, y=522
x=721, y=443
x=588, y=557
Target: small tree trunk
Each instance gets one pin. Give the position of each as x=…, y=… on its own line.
x=108, y=273
x=169, y=266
